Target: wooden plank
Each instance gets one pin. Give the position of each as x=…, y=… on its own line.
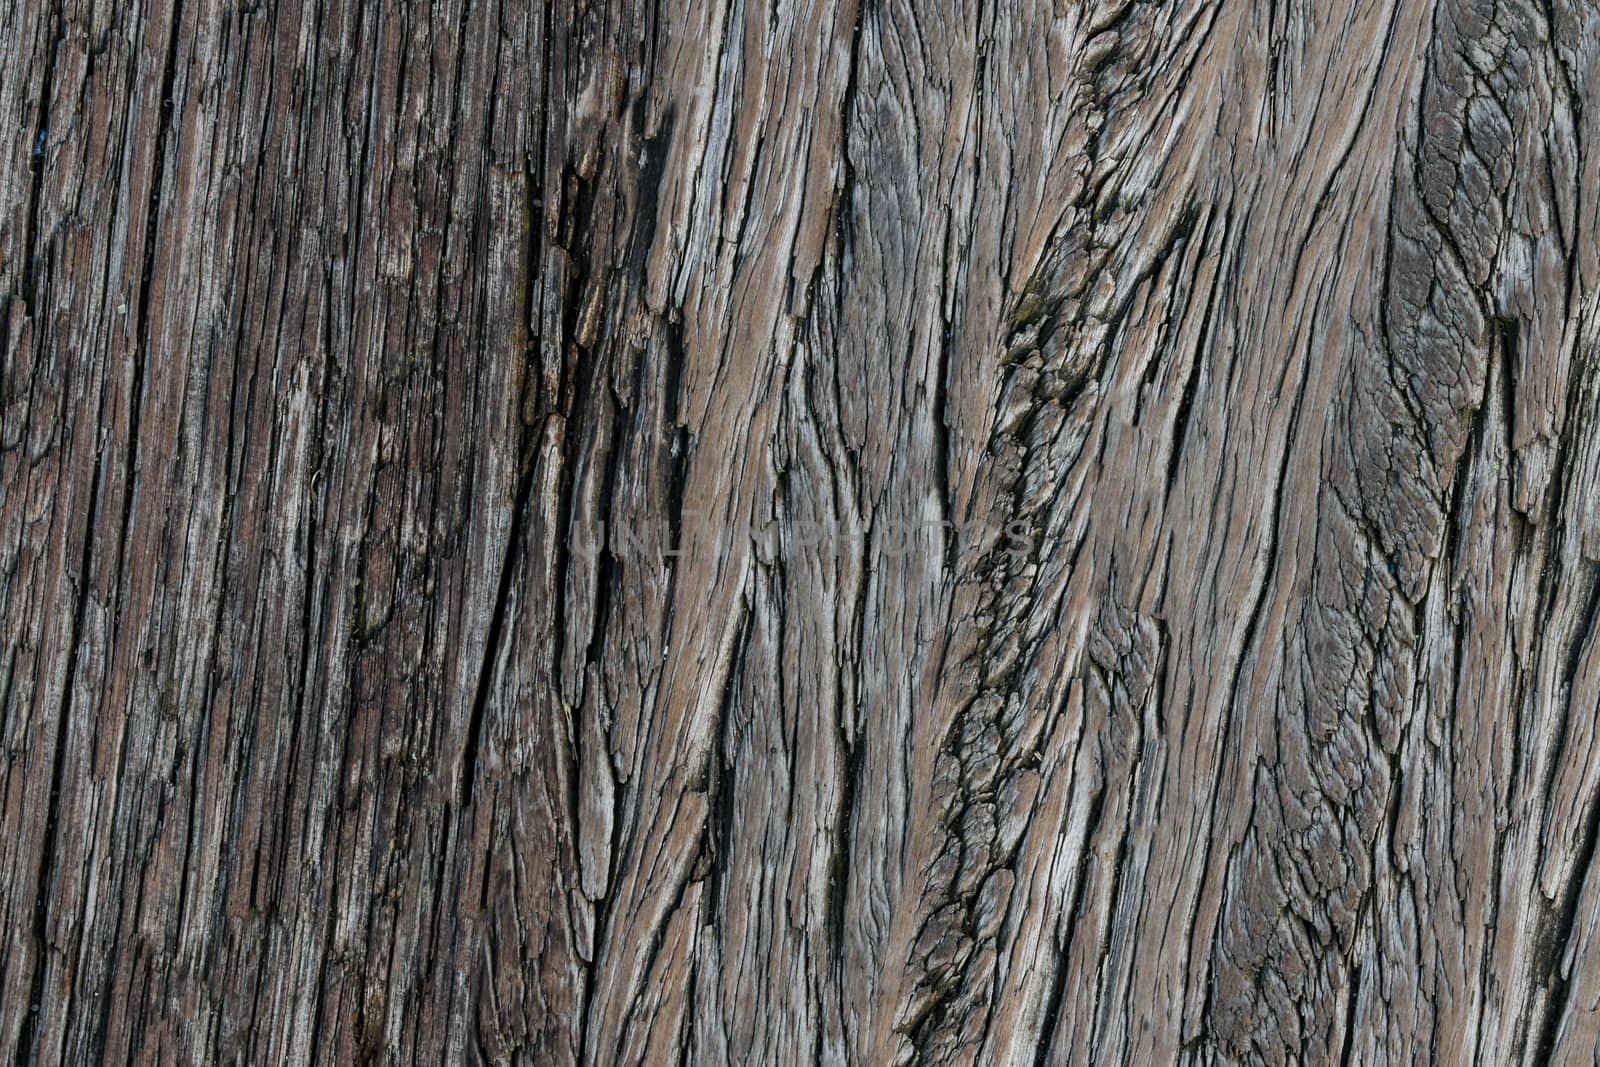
x=844, y=533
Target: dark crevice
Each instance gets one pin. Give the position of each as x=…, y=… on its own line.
x=719, y=772
x=1352, y=1005
x=36, y=165
x=939, y=416
x=1510, y=340
x=652, y=155
x=1455, y=511
x=681, y=444
x=845, y=194
x=466, y=782
x=1180, y=421
x=1553, y=933
x=843, y=841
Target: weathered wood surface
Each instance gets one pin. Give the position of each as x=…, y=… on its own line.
x=1236, y=365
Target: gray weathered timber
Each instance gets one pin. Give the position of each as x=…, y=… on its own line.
x=1027, y=532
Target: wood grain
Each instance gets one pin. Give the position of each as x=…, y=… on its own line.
x=828, y=532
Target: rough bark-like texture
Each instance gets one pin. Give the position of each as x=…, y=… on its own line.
x=841, y=532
